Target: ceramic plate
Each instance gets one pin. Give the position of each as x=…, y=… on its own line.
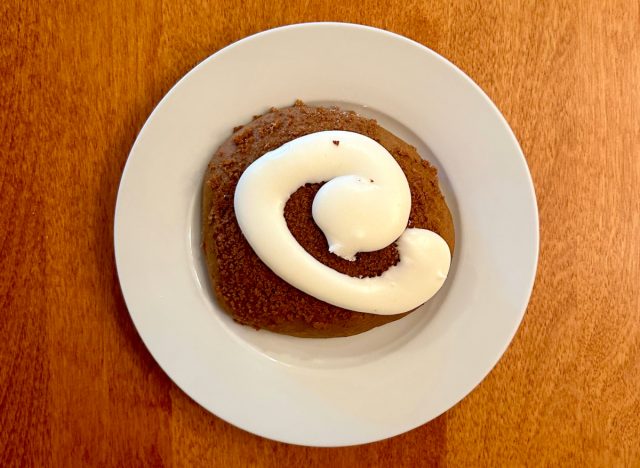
x=339, y=391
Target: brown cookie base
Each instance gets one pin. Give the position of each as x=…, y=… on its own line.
x=245, y=287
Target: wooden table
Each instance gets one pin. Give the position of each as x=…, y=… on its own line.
x=78, y=80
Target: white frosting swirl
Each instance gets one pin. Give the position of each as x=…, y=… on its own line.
x=363, y=206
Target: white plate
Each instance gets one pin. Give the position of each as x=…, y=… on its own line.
x=340, y=391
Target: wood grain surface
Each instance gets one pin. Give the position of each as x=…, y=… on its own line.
x=77, y=82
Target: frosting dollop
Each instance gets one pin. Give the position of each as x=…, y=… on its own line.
x=363, y=206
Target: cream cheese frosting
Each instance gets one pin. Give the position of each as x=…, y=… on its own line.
x=363, y=206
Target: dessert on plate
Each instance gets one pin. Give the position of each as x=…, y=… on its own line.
x=318, y=222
